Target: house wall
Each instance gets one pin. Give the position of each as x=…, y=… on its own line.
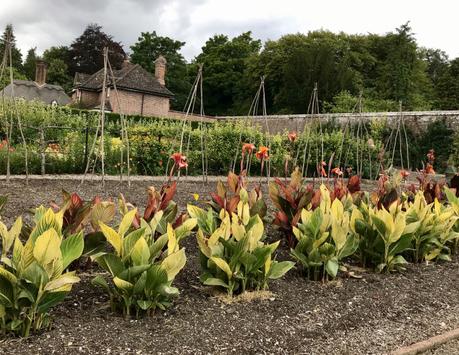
x=133, y=103
x=87, y=99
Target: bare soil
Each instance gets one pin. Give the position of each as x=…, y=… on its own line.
x=371, y=315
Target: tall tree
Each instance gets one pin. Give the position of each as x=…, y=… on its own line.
x=30, y=63
x=400, y=73
x=15, y=52
x=448, y=87
x=150, y=46
x=224, y=69
x=295, y=62
x=58, y=60
x=86, y=51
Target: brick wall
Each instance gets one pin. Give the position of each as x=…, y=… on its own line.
x=87, y=98
x=133, y=103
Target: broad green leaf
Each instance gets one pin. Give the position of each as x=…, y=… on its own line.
x=122, y=284
x=140, y=253
x=173, y=263
x=64, y=280
x=279, y=269
x=47, y=247
x=223, y=265
x=126, y=222
x=71, y=248
x=112, y=237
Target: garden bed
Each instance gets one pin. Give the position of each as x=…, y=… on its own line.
x=374, y=314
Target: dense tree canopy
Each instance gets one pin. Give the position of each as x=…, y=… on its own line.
x=224, y=66
x=16, y=56
x=149, y=47
x=385, y=69
x=86, y=52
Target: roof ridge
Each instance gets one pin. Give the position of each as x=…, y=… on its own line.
x=128, y=71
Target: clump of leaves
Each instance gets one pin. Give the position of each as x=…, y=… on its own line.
x=141, y=271
x=80, y=215
x=434, y=233
x=324, y=238
x=384, y=235
x=32, y=278
x=290, y=199
x=233, y=254
x=157, y=201
x=227, y=197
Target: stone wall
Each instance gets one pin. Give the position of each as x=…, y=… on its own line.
x=416, y=120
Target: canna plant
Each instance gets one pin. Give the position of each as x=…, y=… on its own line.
x=141, y=271
x=227, y=197
x=32, y=277
x=324, y=238
x=289, y=200
x=157, y=201
x=390, y=234
x=232, y=252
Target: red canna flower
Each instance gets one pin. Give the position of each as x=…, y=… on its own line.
x=247, y=147
x=292, y=136
x=404, y=174
x=337, y=171
x=321, y=169
x=179, y=160
x=262, y=153
x=431, y=156
x=429, y=169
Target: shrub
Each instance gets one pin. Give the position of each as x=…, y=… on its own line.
x=32, y=278
x=233, y=255
x=324, y=237
x=141, y=273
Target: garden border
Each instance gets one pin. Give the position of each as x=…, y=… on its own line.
x=428, y=344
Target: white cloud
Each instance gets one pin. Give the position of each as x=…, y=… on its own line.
x=45, y=23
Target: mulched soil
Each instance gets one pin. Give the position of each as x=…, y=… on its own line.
x=372, y=315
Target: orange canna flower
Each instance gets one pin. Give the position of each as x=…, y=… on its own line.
x=404, y=174
x=179, y=160
x=321, y=169
x=292, y=136
x=429, y=169
x=262, y=153
x=247, y=147
x=337, y=171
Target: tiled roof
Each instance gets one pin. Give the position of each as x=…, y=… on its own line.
x=131, y=77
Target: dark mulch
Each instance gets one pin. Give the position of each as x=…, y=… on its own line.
x=372, y=315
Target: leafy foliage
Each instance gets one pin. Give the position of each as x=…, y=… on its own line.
x=324, y=237
x=233, y=255
x=228, y=197
x=141, y=273
x=32, y=277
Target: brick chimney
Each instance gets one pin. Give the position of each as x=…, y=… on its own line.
x=41, y=70
x=160, y=69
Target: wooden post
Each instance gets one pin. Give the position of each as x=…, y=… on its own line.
x=102, y=117
x=86, y=144
x=42, y=151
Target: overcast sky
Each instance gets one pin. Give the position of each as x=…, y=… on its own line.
x=44, y=23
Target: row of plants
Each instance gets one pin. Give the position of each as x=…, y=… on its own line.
x=68, y=136
x=326, y=227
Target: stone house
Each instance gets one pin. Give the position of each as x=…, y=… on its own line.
x=139, y=92
x=37, y=90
